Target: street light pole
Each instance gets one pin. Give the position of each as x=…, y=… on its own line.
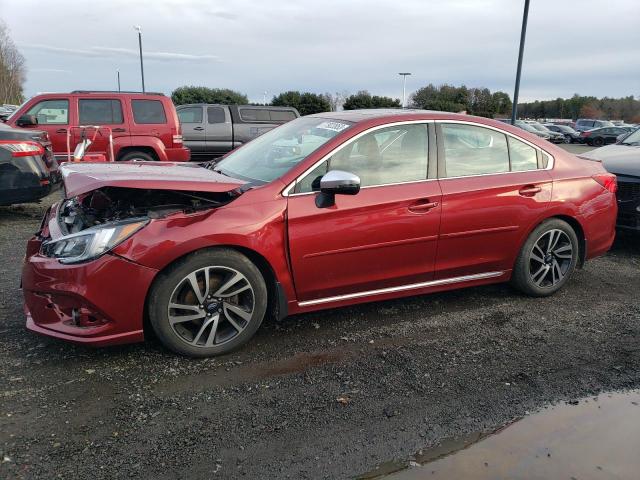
x=138, y=28
x=118, y=71
x=404, y=86
x=523, y=33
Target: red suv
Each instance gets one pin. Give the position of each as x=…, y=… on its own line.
x=325, y=211
x=145, y=125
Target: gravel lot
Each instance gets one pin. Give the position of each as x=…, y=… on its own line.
x=324, y=395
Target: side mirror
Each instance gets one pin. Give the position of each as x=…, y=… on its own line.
x=336, y=182
x=27, y=121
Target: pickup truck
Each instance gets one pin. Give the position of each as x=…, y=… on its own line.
x=211, y=131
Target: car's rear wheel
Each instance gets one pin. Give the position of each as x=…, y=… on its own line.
x=598, y=142
x=547, y=259
x=567, y=138
x=137, y=156
x=208, y=304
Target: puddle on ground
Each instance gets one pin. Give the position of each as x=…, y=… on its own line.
x=598, y=438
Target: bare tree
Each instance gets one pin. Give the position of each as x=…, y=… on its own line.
x=336, y=100
x=12, y=69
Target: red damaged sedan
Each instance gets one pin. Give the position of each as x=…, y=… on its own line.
x=325, y=211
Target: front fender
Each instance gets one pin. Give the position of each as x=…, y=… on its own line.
x=259, y=227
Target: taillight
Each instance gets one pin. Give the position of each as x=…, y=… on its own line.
x=607, y=180
x=177, y=139
x=585, y=134
x=22, y=148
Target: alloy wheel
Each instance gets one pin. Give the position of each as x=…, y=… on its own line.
x=550, y=258
x=211, y=306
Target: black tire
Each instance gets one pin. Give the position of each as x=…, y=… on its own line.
x=525, y=275
x=181, y=336
x=598, y=142
x=137, y=156
x=567, y=139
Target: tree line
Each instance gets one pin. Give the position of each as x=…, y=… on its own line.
x=476, y=101
x=578, y=106
x=12, y=69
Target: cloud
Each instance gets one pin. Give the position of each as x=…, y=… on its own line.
x=225, y=15
x=96, y=52
x=49, y=70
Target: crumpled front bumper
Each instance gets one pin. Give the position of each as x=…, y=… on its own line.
x=100, y=302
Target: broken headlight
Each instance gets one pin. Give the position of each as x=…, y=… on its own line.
x=90, y=243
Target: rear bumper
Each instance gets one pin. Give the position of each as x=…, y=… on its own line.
x=628, y=196
x=96, y=303
x=23, y=179
x=178, y=154
x=12, y=196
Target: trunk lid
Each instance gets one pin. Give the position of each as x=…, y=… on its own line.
x=81, y=178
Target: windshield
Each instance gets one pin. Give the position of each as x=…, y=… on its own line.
x=540, y=127
x=276, y=152
x=527, y=127
x=633, y=139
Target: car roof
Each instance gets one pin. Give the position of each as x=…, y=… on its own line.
x=393, y=114
x=55, y=95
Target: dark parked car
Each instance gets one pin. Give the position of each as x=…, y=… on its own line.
x=601, y=136
x=211, y=131
x=529, y=128
x=327, y=210
x=28, y=169
x=570, y=135
x=623, y=160
x=553, y=136
x=583, y=124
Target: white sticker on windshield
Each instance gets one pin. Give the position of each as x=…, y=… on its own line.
x=335, y=126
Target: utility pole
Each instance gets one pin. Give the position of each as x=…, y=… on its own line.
x=404, y=87
x=118, y=72
x=523, y=34
x=264, y=98
x=138, y=29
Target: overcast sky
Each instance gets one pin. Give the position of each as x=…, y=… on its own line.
x=587, y=46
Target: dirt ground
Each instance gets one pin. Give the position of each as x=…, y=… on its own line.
x=323, y=395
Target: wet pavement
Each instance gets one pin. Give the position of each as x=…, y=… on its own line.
x=595, y=438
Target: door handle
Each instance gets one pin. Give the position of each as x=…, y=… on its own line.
x=529, y=190
x=198, y=128
x=119, y=130
x=423, y=207
x=61, y=130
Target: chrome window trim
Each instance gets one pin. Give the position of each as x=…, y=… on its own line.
x=287, y=192
x=402, y=288
x=552, y=160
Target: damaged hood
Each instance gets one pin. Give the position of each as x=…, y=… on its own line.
x=81, y=178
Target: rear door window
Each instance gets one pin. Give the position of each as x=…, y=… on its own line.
x=148, y=111
x=190, y=115
x=523, y=157
x=471, y=150
x=51, y=112
x=215, y=115
x=255, y=115
x=99, y=112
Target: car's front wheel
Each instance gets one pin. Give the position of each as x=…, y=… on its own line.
x=209, y=303
x=547, y=259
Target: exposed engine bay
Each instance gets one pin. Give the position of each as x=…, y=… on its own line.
x=113, y=204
